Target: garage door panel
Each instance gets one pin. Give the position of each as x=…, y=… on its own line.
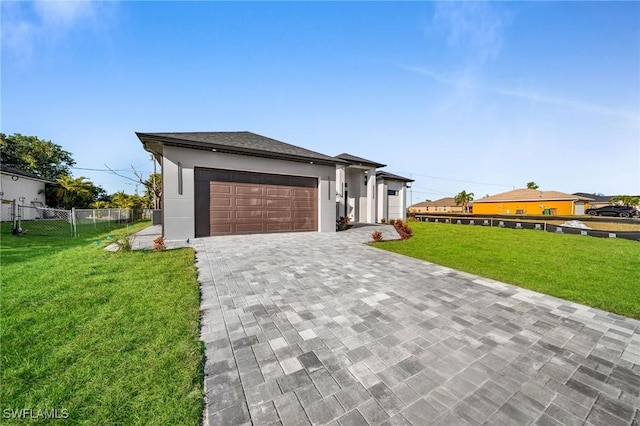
x=304, y=193
x=254, y=190
x=220, y=189
x=244, y=202
x=220, y=228
x=278, y=204
x=279, y=227
x=284, y=215
x=278, y=192
x=249, y=228
x=248, y=202
x=220, y=215
x=248, y=214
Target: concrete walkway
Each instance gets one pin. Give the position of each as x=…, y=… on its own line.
x=319, y=328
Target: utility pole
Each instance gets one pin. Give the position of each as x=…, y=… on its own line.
x=411, y=190
x=155, y=197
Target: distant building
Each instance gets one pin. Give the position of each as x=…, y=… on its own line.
x=23, y=188
x=598, y=200
x=532, y=202
x=443, y=205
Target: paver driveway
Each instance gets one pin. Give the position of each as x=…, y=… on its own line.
x=320, y=328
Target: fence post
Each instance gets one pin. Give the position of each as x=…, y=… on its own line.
x=72, y=222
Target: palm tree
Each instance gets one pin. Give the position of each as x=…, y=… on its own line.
x=464, y=198
x=74, y=192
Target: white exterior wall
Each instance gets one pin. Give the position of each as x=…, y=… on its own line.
x=179, y=209
x=392, y=206
x=22, y=187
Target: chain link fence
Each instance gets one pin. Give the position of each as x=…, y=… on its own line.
x=40, y=220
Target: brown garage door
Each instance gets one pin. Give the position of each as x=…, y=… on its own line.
x=235, y=202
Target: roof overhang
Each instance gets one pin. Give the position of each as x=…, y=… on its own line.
x=155, y=144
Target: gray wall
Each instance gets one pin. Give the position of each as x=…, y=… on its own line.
x=179, y=209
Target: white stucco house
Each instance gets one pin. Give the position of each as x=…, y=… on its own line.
x=26, y=189
x=223, y=183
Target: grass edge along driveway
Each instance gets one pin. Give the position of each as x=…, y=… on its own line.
x=103, y=338
x=598, y=272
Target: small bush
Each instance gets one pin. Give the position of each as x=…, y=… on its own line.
x=392, y=222
x=383, y=220
x=376, y=235
x=158, y=244
x=126, y=242
x=403, y=229
x=342, y=223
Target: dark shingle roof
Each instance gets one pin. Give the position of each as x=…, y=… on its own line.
x=596, y=198
x=359, y=161
x=391, y=176
x=19, y=172
x=243, y=143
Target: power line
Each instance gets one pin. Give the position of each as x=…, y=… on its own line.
x=454, y=180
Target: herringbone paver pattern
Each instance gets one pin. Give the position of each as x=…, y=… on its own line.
x=321, y=329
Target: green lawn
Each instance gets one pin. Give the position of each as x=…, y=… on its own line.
x=107, y=338
x=603, y=273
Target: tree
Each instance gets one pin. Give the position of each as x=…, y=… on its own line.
x=73, y=192
x=532, y=185
x=153, y=190
x=463, y=198
x=126, y=201
x=34, y=155
x=627, y=200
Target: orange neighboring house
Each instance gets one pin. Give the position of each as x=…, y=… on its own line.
x=532, y=202
x=443, y=205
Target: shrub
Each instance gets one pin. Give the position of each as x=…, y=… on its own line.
x=376, y=235
x=383, y=220
x=158, y=244
x=403, y=229
x=342, y=223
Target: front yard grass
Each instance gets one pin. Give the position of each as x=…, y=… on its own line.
x=107, y=338
x=602, y=273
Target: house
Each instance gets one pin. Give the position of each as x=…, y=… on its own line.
x=443, y=205
x=222, y=183
x=356, y=188
x=392, y=196
x=598, y=200
x=26, y=189
x=531, y=202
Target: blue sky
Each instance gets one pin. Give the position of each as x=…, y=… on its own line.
x=475, y=96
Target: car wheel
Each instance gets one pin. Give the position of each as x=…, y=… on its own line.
x=592, y=213
x=624, y=214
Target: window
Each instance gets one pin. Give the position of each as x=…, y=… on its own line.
x=392, y=192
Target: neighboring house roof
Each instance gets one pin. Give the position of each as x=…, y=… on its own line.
x=242, y=143
x=442, y=202
x=531, y=195
x=594, y=197
x=359, y=161
x=10, y=170
x=390, y=176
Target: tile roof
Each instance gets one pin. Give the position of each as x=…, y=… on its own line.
x=359, y=161
x=386, y=175
x=530, y=195
x=243, y=143
x=442, y=202
x=19, y=172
